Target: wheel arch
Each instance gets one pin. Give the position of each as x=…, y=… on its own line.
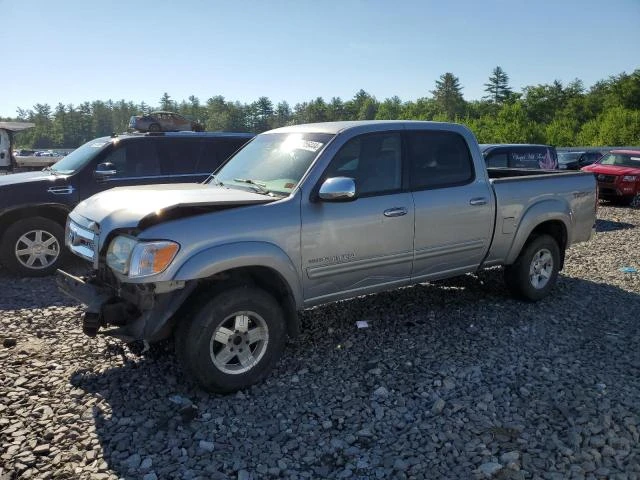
x=57, y=213
x=262, y=264
x=552, y=218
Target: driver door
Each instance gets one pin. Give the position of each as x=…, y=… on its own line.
x=364, y=245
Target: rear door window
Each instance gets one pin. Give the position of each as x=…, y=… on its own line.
x=438, y=159
x=135, y=159
x=179, y=156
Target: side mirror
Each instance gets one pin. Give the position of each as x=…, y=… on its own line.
x=338, y=189
x=104, y=171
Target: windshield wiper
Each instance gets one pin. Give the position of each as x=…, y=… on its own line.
x=262, y=187
x=51, y=170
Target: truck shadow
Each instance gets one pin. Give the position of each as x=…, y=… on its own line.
x=611, y=226
x=454, y=340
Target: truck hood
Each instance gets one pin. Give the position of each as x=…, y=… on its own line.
x=612, y=169
x=143, y=206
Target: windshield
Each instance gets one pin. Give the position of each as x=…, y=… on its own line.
x=79, y=157
x=274, y=162
x=566, y=157
x=621, y=160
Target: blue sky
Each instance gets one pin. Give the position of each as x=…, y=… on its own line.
x=73, y=51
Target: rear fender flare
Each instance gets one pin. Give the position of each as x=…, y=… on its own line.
x=537, y=214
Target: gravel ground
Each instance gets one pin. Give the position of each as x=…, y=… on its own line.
x=450, y=380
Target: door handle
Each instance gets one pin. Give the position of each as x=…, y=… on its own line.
x=478, y=201
x=395, y=212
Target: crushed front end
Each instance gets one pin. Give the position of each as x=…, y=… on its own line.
x=129, y=311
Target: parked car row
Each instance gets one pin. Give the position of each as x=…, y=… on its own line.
x=617, y=171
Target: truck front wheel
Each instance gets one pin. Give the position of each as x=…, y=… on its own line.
x=535, y=271
x=233, y=340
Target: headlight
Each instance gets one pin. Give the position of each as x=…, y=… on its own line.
x=149, y=258
x=140, y=259
x=629, y=178
x=119, y=253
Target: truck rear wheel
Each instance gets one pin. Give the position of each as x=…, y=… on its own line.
x=233, y=340
x=535, y=271
x=32, y=247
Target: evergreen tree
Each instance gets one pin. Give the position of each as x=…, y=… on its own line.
x=498, y=86
x=448, y=96
x=166, y=104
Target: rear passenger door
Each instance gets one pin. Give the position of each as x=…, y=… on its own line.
x=453, y=204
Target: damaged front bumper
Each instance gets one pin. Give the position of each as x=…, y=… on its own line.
x=126, y=311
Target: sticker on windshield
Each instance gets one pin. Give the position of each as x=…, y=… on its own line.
x=310, y=145
x=295, y=142
x=98, y=144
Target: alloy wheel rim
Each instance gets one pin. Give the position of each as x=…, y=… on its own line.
x=239, y=342
x=541, y=269
x=37, y=249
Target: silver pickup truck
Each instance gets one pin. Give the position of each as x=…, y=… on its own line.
x=306, y=215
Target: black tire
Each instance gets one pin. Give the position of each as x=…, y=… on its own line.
x=522, y=276
x=44, y=261
x=154, y=127
x=228, y=366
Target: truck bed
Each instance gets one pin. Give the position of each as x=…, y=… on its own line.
x=520, y=192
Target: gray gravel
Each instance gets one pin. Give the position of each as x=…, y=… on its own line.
x=450, y=380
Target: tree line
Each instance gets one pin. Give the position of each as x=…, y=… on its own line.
x=608, y=113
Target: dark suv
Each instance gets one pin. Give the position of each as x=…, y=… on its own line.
x=574, y=160
x=520, y=155
x=34, y=205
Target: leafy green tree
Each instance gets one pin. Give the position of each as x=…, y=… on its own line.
x=448, y=96
x=512, y=125
x=561, y=131
x=421, y=109
x=498, y=86
x=542, y=101
x=390, y=109
x=616, y=126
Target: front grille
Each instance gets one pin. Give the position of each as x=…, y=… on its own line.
x=80, y=240
x=606, y=178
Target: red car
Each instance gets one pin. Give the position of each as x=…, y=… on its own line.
x=618, y=175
